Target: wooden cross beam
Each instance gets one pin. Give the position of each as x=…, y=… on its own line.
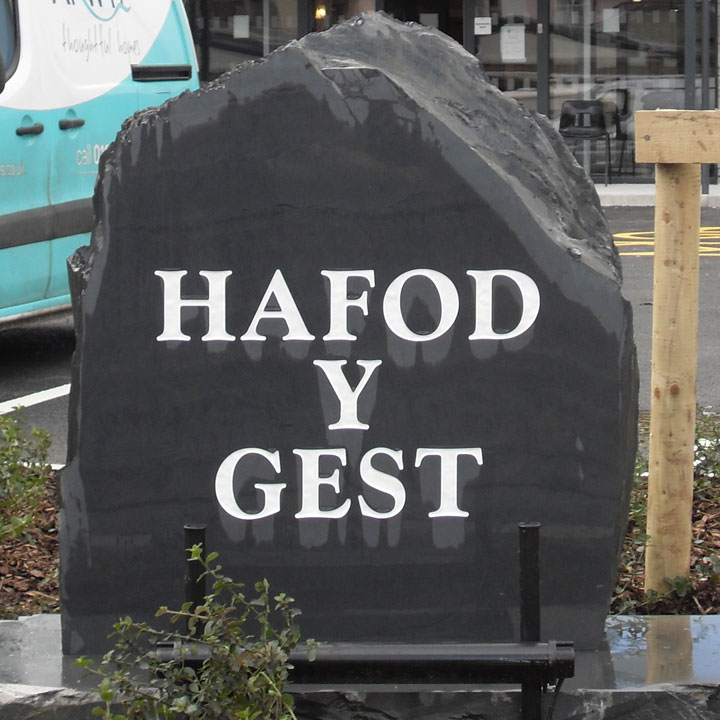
x=677, y=141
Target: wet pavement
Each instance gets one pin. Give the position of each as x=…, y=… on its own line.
x=641, y=651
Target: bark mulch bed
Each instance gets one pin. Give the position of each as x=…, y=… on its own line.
x=29, y=564
x=700, y=593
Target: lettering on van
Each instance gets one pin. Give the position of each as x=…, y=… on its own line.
x=89, y=155
x=99, y=41
x=12, y=170
x=101, y=9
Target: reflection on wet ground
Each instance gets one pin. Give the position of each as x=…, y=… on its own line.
x=678, y=649
x=640, y=651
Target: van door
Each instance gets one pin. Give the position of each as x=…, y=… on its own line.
x=25, y=149
x=82, y=68
x=102, y=47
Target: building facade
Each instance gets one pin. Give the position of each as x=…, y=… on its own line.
x=629, y=54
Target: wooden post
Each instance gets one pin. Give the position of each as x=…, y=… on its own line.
x=677, y=142
x=673, y=376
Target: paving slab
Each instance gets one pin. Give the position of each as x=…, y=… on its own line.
x=652, y=667
x=643, y=195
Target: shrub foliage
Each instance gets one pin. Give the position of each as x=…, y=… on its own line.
x=24, y=472
x=230, y=657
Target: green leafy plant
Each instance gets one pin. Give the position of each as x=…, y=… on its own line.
x=679, y=585
x=231, y=661
x=24, y=471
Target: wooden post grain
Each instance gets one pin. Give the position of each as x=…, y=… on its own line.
x=677, y=141
x=673, y=376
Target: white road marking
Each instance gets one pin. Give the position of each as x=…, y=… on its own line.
x=34, y=399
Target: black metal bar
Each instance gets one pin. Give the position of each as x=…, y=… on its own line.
x=690, y=63
x=530, y=612
x=705, y=82
x=438, y=663
x=191, y=12
x=205, y=41
x=304, y=18
x=529, y=582
x=543, y=57
x=531, y=663
x=531, y=698
x=469, y=25
x=195, y=585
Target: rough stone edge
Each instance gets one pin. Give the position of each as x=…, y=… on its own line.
x=701, y=702
x=21, y=702
x=570, y=191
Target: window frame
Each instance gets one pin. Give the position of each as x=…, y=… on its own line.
x=11, y=66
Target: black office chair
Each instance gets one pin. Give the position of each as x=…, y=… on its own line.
x=617, y=116
x=585, y=120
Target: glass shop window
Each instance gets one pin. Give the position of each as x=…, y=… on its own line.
x=240, y=30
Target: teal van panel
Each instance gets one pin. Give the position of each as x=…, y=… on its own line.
x=60, y=250
x=24, y=161
x=48, y=170
x=77, y=152
x=47, y=305
x=24, y=274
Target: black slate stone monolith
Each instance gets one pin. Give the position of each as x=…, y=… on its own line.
x=359, y=314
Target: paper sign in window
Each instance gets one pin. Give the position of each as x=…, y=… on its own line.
x=241, y=26
x=611, y=20
x=483, y=26
x=512, y=43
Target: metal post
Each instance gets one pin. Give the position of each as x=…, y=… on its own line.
x=266, y=27
x=191, y=12
x=705, y=82
x=690, y=64
x=543, y=57
x=304, y=23
x=530, y=610
x=468, y=25
x=529, y=582
x=205, y=41
x=195, y=586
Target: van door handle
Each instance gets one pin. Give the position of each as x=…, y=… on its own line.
x=35, y=129
x=71, y=123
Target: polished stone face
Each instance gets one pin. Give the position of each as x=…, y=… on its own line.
x=359, y=314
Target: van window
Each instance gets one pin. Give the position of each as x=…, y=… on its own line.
x=8, y=34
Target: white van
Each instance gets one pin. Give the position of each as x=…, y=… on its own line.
x=70, y=72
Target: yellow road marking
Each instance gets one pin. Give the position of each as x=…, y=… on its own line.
x=641, y=243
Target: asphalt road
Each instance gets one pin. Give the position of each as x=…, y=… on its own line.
x=637, y=264
x=37, y=357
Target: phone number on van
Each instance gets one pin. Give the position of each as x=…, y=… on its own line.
x=89, y=155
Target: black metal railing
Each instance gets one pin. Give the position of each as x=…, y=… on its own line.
x=532, y=664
